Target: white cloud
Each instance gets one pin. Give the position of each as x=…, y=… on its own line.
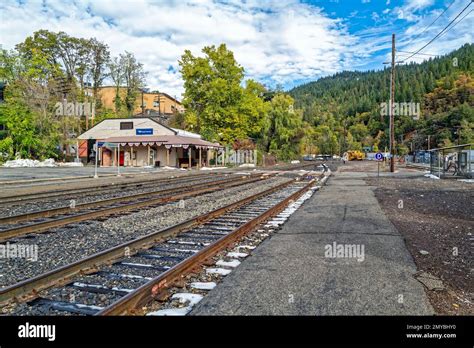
x=276, y=41
x=420, y=32
x=415, y=5
x=411, y=8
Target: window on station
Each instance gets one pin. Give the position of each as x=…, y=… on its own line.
x=126, y=125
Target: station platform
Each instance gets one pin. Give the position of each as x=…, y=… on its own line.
x=293, y=273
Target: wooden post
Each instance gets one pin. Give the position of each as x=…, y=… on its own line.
x=189, y=157
x=392, y=97
x=118, y=160
x=168, y=157
x=199, y=166
x=148, y=160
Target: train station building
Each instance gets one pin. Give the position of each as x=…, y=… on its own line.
x=143, y=141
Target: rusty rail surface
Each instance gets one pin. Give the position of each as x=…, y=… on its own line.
x=172, y=195
x=29, y=288
x=97, y=188
x=98, y=203
x=147, y=292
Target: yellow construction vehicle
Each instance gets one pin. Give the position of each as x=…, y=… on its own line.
x=353, y=155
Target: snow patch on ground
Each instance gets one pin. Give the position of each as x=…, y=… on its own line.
x=203, y=285
x=233, y=263
x=467, y=180
x=250, y=247
x=212, y=168
x=237, y=255
x=221, y=271
x=170, y=312
x=183, y=297
x=431, y=176
x=171, y=168
x=70, y=164
x=187, y=297
x=29, y=163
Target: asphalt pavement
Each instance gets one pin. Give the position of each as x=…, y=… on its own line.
x=337, y=255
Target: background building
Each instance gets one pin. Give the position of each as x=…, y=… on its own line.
x=160, y=106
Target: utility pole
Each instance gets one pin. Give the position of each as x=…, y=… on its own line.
x=392, y=97
x=429, y=136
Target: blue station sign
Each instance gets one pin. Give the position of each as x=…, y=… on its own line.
x=144, y=131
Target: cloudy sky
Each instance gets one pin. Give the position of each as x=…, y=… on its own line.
x=285, y=42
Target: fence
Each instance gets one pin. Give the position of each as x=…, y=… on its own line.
x=453, y=161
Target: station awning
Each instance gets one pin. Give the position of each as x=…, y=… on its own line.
x=168, y=141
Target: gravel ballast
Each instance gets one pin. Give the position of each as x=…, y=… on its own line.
x=74, y=242
x=18, y=208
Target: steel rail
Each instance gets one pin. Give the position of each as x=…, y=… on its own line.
x=87, y=205
x=152, y=289
x=97, y=188
x=43, y=226
x=29, y=288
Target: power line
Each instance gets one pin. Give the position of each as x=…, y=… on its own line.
x=442, y=31
x=423, y=54
x=429, y=54
x=442, y=13
x=467, y=14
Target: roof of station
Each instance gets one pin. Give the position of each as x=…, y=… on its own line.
x=168, y=141
x=144, y=131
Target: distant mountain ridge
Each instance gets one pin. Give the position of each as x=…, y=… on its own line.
x=361, y=91
x=346, y=110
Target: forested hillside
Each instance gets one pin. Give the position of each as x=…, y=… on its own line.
x=344, y=109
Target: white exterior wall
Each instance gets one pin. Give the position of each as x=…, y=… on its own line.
x=174, y=157
x=142, y=155
x=161, y=155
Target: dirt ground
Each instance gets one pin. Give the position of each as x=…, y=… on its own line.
x=436, y=219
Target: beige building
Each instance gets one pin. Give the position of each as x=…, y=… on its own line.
x=154, y=104
x=142, y=141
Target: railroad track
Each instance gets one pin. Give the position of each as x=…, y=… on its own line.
x=122, y=279
x=41, y=221
x=293, y=166
x=105, y=188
